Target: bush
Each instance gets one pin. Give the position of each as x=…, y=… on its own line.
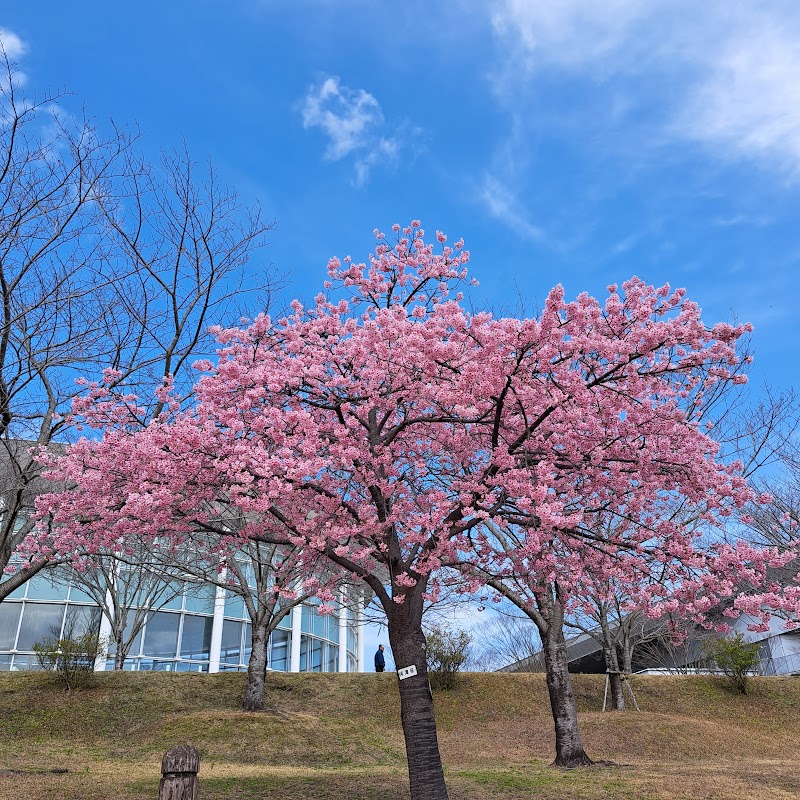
x=447, y=651
x=735, y=658
x=71, y=659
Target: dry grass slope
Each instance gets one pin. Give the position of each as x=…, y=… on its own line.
x=338, y=736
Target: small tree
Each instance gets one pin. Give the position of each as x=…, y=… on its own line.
x=447, y=651
x=71, y=654
x=736, y=658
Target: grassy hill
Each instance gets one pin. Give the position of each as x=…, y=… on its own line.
x=338, y=736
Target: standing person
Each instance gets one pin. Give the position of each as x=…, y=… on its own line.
x=380, y=659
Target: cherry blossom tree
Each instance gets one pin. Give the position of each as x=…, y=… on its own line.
x=385, y=427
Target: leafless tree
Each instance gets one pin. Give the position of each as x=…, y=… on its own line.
x=105, y=262
x=127, y=588
x=508, y=641
x=269, y=579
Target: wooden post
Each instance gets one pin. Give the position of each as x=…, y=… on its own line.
x=179, y=769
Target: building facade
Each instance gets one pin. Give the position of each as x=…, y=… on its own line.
x=203, y=628
x=779, y=652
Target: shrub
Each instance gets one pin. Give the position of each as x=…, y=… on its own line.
x=447, y=651
x=71, y=659
x=736, y=658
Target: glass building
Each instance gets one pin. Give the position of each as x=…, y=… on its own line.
x=203, y=628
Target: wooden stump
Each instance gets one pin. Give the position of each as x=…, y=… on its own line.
x=179, y=769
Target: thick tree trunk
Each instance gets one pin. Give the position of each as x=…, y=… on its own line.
x=256, y=671
x=17, y=578
x=425, y=773
x=569, y=750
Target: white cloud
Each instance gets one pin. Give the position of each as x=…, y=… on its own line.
x=13, y=46
x=748, y=103
x=354, y=125
x=348, y=117
x=721, y=74
x=565, y=33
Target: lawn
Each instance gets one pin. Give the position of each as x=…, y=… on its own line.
x=338, y=736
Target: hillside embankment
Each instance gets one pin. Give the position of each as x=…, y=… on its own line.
x=338, y=737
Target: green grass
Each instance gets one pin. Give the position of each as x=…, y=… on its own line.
x=339, y=736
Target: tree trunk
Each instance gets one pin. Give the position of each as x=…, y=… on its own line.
x=425, y=773
x=627, y=656
x=569, y=750
x=612, y=667
x=120, y=652
x=17, y=578
x=256, y=671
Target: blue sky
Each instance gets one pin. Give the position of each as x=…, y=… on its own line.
x=567, y=141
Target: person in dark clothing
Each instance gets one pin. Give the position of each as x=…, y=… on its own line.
x=380, y=659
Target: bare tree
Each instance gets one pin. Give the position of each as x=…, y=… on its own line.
x=271, y=580
x=508, y=641
x=127, y=588
x=105, y=263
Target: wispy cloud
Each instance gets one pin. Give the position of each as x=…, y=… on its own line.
x=724, y=75
x=503, y=205
x=353, y=122
x=748, y=102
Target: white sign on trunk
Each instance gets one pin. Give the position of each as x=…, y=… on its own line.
x=406, y=672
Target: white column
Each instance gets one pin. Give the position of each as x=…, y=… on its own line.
x=343, y=631
x=105, y=636
x=362, y=667
x=216, y=630
x=297, y=632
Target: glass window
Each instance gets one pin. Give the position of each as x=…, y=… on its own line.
x=43, y=588
x=185, y=666
x=5, y=663
x=9, y=619
x=25, y=662
x=280, y=650
x=174, y=588
x=40, y=621
x=234, y=605
x=307, y=619
x=332, y=627
x=333, y=658
x=200, y=598
x=286, y=622
x=352, y=642
x=196, y=637
x=248, y=642
x=161, y=635
x=78, y=595
x=320, y=624
x=316, y=656
x=80, y=620
x=352, y=663
x=249, y=574
x=305, y=645
x=231, y=642
x=19, y=592
x=136, y=645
